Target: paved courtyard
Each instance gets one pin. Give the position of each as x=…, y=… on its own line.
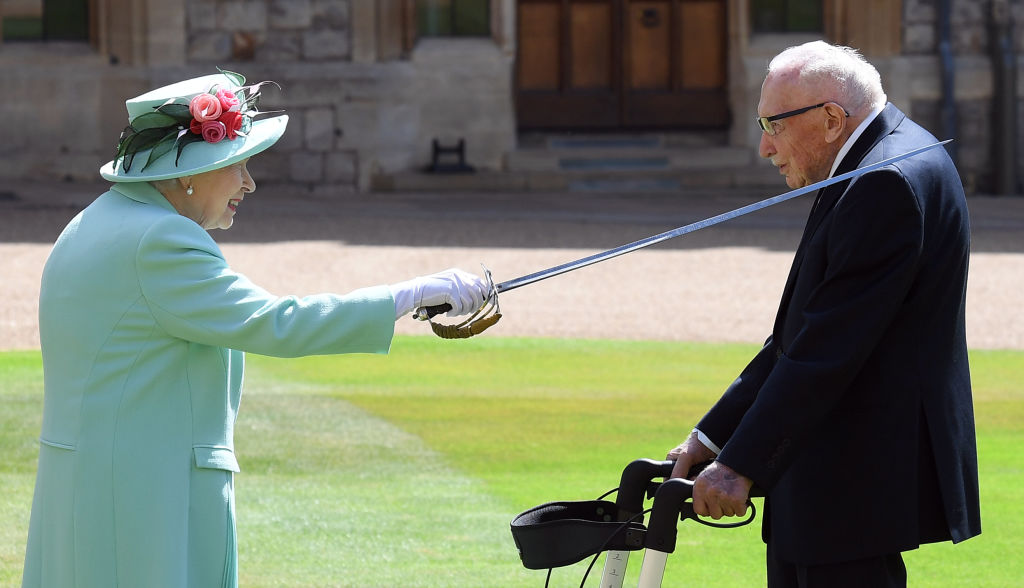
x=720, y=284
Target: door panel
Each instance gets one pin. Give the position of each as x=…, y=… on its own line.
x=619, y=64
x=539, y=41
x=584, y=93
x=702, y=46
x=676, y=52
x=590, y=32
x=649, y=49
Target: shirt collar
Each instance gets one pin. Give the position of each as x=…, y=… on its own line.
x=853, y=139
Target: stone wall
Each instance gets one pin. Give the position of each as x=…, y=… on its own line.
x=62, y=110
x=974, y=82
x=352, y=113
x=358, y=110
x=349, y=120
x=913, y=80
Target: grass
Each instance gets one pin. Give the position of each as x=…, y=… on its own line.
x=20, y=418
x=406, y=470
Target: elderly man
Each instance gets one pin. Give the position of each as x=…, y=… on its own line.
x=856, y=417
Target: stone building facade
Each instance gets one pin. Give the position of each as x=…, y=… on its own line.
x=367, y=92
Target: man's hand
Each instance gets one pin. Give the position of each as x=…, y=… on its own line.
x=719, y=491
x=688, y=454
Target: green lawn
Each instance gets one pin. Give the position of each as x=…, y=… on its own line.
x=405, y=470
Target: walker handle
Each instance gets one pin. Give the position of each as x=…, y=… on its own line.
x=635, y=483
x=673, y=503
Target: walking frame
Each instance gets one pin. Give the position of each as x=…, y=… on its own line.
x=557, y=534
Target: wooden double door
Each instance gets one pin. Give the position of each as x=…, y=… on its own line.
x=621, y=64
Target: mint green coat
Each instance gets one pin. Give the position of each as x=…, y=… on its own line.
x=143, y=327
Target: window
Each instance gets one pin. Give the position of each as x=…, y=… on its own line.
x=786, y=16
x=44, y=20
x=453, y=18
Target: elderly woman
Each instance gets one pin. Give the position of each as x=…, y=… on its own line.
x=143, y=327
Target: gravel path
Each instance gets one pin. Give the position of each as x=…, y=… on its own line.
x=720, y=284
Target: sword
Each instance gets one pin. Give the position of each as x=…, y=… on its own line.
x=427, y=312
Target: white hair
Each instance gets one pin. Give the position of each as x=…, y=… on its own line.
x=855, y=82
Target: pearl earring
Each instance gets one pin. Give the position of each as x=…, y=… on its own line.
x=189, y=191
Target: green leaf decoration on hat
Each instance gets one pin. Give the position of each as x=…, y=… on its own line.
x=153, y=120
x=140, y=141
x=179, y=112
x=162, y=147
x=122, y=142
x=236, y=78
x=184, y=140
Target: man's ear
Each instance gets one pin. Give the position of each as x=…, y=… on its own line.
x=835, y=121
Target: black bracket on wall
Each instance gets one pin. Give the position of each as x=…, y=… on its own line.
x=441, y=158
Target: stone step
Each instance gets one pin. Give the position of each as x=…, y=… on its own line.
x=759, y=176
x=569, y=140
x=621, y=162
x=628, y=159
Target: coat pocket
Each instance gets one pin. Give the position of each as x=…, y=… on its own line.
x=216, y=458
x=57, y=444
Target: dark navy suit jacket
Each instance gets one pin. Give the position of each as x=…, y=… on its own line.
x=856, y=417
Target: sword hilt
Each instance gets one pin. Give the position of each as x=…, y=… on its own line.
x=425, y=313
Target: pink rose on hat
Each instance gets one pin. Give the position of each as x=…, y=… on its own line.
x=214, y=131
x=232, y=120
x=205, y=107
x=228, y=101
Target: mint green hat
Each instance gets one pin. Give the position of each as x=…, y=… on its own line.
x=173, y=133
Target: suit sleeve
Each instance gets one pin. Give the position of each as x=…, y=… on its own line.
x=873, y=247
x=721, y=421
x=195, y=296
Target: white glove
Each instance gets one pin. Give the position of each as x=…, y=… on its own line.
x=464, y=291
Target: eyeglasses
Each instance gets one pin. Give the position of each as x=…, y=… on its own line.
x=765, y=122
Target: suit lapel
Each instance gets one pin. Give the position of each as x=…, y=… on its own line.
x=882, y=126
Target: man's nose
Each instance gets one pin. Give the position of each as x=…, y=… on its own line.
x=766, y=147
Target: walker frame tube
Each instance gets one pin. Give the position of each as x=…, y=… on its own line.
x=633, y=487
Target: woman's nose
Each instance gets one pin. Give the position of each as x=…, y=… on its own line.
x=248, y=184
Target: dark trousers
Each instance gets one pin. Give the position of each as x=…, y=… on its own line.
x=884, y=571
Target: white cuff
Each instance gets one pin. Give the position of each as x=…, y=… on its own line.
x=403, y=299
x=707, y=441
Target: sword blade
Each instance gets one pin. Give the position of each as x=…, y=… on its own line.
x=702, y=224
